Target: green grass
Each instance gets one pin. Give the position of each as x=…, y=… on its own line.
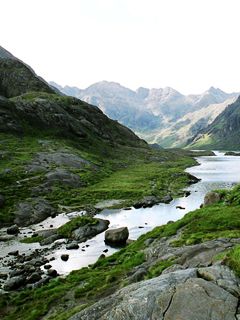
x=32, y=239
x=87, y=285
x=157, y=269
x=67, y=229
x=115, y=172
x=233, y=259
x=80, y=288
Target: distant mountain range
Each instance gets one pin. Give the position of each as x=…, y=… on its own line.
x=163, y=116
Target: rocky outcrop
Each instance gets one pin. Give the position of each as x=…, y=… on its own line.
x=117, y=236
x=180, y=295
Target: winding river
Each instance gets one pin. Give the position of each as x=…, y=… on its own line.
x=216, y=172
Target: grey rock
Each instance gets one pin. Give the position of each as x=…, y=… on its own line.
x=166, y=199
x=90, y=230
x=179, y=295
x=64, y=177
x=34, y=277
x=147, y=202
x=223, y=277
x=33, y=211
x=44, y=160
x=13, y=253
x=65, y=257
x=71, y=246
x=13, y=230
x=117, y=236
x=138, y=275
x=14, y=283
x=52, y=273
x=211, y=198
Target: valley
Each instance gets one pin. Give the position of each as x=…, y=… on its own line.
x=69, y=173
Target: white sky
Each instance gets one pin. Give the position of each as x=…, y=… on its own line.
x=189, y=45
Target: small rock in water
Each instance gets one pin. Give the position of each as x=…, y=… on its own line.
x=52, y=273
x=140, y=227
x=87, y=245
x=51, y=225
x=106, y=250
x=14, y=230
x=13, y=253
x=47, y=266
x=71, y=246
x=65, y=257
x=180, y=207
x=83, y=250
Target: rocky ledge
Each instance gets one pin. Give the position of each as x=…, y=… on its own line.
x=209, y=293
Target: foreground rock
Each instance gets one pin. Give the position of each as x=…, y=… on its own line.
x=180, y=295
x=117, y=236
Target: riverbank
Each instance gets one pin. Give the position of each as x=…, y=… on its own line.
x=141, y=260
x=205, y=237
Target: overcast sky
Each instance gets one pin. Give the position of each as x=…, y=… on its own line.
x=189, y=45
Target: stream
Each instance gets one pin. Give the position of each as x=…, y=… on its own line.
x=215, y=172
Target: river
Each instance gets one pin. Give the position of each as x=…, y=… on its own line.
x=215, y=172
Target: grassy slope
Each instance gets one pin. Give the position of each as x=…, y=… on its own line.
x=65, y=297
x=119, y=172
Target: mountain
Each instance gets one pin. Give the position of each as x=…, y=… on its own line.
x=178, y=133
x=51, y=144
x=163, y=116
x=223, y=132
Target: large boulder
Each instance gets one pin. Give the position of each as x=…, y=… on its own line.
x=117, y=236
x=211, y=198
x=90, y=230
x=62, y=176
x=180, y=295
x=147, y=202
x=33, y=211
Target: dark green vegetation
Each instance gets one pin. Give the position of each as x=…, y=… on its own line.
x=223, y=133
x=81, y=288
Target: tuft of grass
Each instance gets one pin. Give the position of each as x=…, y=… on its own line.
x=32, y=239
x=157, y=269
x=233, y=259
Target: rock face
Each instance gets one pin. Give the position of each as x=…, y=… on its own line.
x=117, y=236
x=180, y=295
x=211, y=198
